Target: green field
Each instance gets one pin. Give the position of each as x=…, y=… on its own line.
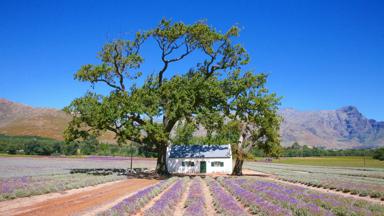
x=342, y=161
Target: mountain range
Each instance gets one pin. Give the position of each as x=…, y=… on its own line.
x=343, y=128
x=19, y=119
x=337, y=129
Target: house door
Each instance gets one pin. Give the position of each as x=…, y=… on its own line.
x=203, y=167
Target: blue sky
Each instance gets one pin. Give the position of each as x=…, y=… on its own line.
x=319, y=54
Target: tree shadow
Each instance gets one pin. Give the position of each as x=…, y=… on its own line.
x=147, y=175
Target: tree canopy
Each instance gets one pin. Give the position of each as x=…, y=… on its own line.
x=212, y=89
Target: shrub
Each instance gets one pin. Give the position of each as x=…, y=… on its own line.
x=379, y=154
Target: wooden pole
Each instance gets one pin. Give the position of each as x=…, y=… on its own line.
x=131, y=156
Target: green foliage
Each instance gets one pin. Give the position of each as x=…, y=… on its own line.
x=256, y=152
x=184, y=134
x=72, y=148
x=212, y=89
x=44, y=146
x=255, y=110
x=379, y=154
x=296, y=150
x=89, y=146
x=27, y=145
x=227, y=134
x=12, y=149
x=35, y=148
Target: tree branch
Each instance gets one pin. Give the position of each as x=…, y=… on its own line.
x=182, y=56
x=108, y=83
x=209, y=69
x=137, y=119
x=165, y=51
x=118, y=72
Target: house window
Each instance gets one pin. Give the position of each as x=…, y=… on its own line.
x=188, y=163
x=217, y=164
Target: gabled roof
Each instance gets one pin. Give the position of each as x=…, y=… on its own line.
x=200, y=151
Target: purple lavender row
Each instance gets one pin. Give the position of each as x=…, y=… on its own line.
x=224, y=202
x=342, y=206
x=134, y=203
x=281, y=196
x=337, y=204
x=333, y=204
x=24, y=186
x=361, y=185
x=195, y=203
x=166, y=204
x=8, y=185
x=256, y=203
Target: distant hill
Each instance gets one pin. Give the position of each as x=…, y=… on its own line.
x=339, y=129
x=19, y=119
x=342, y=128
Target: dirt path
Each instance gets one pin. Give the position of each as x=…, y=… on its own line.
x=80, y=201
x=248, y=172
x=102, y=208
x=179, y=210
x=208, y=199
x=323, y=190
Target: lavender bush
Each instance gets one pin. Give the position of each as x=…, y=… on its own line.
x=195, y=203
x=224, y=202
x=166, y=204
x=134, y=203
x=38, y=166
x=273, y=193
x=257, y=204
x=15, y=187
x=301, y=200
x=362, y=181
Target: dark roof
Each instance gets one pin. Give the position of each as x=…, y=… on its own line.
x=200, y=151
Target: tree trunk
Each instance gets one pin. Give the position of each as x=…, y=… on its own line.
x=161, y=166
x=238, y=168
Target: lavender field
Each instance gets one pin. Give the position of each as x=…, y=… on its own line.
x=26, y=186
x=35, y=166
x=239, y=196
x=29, y=176
x=360, y=181
x=205, y=195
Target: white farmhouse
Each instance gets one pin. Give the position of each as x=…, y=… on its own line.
x=199, y=159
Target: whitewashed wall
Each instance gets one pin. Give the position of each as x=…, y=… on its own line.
x=174, y=165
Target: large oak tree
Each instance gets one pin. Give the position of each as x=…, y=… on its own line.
x=253, y=114
x=147, y=113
